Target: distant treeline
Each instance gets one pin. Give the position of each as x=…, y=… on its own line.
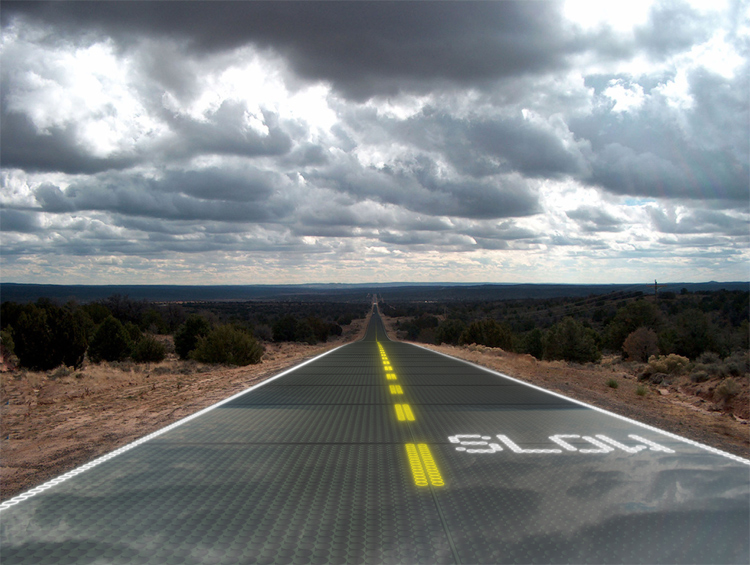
x=633, y=324
x=45, y=334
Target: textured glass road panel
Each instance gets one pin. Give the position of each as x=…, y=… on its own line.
x=369, y=378
x=225, y=504
x=641, y=508
x=314, y=467
x=451, y=378
x=292, y=424
x=278, y=395
x=512, y=394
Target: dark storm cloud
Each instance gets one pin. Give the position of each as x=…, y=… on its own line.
x=417, y=186
x=19, y=221
x=23, y=147
x=363, y=48
x=210, y=194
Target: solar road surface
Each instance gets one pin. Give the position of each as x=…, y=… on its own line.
x=383, y=452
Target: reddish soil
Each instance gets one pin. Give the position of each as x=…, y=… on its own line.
x=691, y=410
x=53, y=422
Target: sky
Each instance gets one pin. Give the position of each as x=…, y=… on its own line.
x=353, y=142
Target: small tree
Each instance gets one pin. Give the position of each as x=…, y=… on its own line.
x=450, y=331
x=228, y=345
x=640, y=345
x=533, y=343
x=111, y=342
x=488, y=332
x=46, y=336
x=186, y=337
x=571, y=341
x=149, y=350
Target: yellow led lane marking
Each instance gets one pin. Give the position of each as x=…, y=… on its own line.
x=390, y=376
x=416, y=465
x=404, y=413
x=426, y=467
x=396, y=389
x=429, y=463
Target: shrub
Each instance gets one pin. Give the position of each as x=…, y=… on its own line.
x=449, y=331
x=640, y=345
x=571, y=341
x=186, y=337
x=699, y=376
x=111, y=342
x=727, y=389
x=228, y=345
x=149, y=350
x=612, y=383
x=285, y=329
x=488, y=332
x=533, y=343
x=47, y=336
x=640, y=313
x=641, y=390
x=670, y=364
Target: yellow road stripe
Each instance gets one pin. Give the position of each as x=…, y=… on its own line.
x=416, y=466
x=390, y=376
x=396, y=389
x=408, y=413
x=400, y=413
x=432, y=471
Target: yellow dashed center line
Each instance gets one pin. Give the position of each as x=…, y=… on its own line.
x=436, y=479
x=422, y=463
x=426, y=467
x=404, y=413
x=420, y=479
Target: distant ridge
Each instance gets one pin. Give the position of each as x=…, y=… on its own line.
x=340, y=292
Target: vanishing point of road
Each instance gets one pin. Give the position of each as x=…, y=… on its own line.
x=383, y=452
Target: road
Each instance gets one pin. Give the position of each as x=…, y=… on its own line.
x=383, y=452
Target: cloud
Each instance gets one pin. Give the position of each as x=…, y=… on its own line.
x=364, y=49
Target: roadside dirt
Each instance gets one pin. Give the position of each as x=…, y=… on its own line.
x=688, y=409
x=53, y=422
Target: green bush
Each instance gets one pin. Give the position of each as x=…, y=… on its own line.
x=641, y=390
x=186, y=337
x=47, y=336
x=111, y=342
x=571, y=341
x=612, y=383
x=449, y=332
x=488, y=332
x=229, y=346
x=149, y=350
x=533, y=343
x=640, y=313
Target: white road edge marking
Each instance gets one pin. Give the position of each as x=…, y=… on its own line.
x=78, y=470
x=624, y=418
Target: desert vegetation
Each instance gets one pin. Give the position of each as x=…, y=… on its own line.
x=45, y=335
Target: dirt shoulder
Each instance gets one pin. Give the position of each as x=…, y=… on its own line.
x=51, y=423
x=679, y=407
